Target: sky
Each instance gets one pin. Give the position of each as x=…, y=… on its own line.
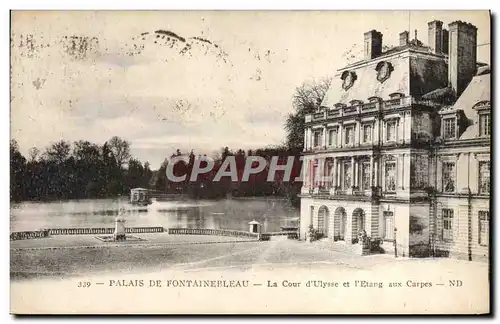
x=206, y=80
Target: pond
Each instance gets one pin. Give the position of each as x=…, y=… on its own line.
x=221, y=214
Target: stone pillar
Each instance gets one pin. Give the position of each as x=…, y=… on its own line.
x=403, y=139
x=334, y=173
x=338, y=140
x=324, y=136
x=352, y=171
x=306, y=144
x=305, y=169
x=372, y=183
x=309, y=137
x=376, y=173
x=398, y=172
x=339, y=184
x=376, y=132
x=348, y=228
x=381, y=165
x=357, y=138
x=321, y=170
x=407, y=120
x=356, y=173
x=403, y=171
x=399, y=128
x=341, y=134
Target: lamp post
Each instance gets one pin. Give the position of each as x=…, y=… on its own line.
x=395, y=243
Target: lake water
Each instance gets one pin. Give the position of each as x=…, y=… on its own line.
x=222, y=214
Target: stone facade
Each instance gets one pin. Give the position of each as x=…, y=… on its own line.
x=382, y=157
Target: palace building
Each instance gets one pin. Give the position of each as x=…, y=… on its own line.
x=400, y=148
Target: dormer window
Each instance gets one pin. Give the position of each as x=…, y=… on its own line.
x=348, y=78
x=484, y=124
x=483, y=109
x=449, y=128
x=384, y=70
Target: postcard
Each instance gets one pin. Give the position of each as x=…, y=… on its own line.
x=250, y=162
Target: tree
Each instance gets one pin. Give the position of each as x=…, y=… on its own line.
x=58, y=152
x=306, y=99
x=17, y=169
x=120, y=149
x=33, y=154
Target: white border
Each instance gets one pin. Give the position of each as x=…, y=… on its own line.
x=182, y=5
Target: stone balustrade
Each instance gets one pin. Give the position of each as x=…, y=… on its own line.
x=80, y=231
x=173, y=231
x=209, y=231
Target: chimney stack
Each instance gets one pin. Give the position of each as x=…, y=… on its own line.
x=436, y=36
x=462, y=38
x=445, y=41
x=404, y=38
x=373, y=44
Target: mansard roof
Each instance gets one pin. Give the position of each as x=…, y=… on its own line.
x=477, y=91
x=410, y=74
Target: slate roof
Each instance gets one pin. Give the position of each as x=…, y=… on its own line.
x=478, y=90
x=414, y=76
x=366, y=84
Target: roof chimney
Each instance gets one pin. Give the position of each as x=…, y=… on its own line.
x=404, y=38
x=436, y=36
x=373, y=44
x=445, y=41
x=462, y=55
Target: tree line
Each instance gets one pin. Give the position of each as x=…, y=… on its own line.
x=204, y=185
x=76, y=171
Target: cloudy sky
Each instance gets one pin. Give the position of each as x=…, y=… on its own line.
x=189, y=80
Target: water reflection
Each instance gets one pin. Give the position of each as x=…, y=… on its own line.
x=228, y=214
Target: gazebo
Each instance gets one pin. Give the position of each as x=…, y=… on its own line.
x=139, y=196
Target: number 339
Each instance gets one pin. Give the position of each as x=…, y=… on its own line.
x=84, y=284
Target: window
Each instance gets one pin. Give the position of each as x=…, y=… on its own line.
x=317, y=138
x=484, y=177
x=388, y=225
x=390, y=176
x=365, y=173
x=349, y=135
x=367, y=133
x=447, y=224
x=311, y=215
x=347, y=175
x=419, y=171
x=484, y=227
x=328, y=178
x=484, y=125
x=448, y=176
x=391, y=130
x=449, y=128
x=332, y=137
